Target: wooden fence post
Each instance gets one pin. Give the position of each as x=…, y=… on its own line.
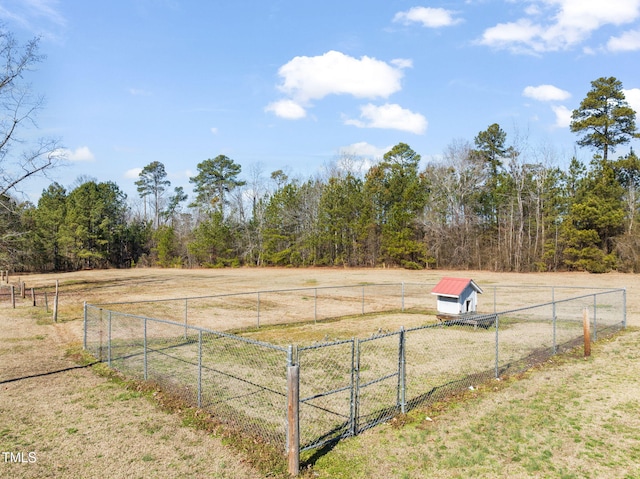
x=33, y=296
x=293, y=419
x=587, y=332
x=13, y=297
x=55, y=304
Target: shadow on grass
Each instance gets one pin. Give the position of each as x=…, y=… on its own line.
x=49, y=373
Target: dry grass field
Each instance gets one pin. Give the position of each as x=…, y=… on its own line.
x=78, y=424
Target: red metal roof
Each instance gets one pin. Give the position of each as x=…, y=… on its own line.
x=454, y=287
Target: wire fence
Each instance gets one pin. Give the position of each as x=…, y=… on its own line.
x=255, y=309
x=345, y=386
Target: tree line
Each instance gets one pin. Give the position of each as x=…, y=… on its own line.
x=489, y=203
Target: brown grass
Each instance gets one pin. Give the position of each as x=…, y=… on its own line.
x=82, y=425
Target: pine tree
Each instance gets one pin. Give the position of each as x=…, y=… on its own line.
x=604, y=117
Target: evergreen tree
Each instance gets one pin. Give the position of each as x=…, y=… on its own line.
x=49, y=219
x=397, y=194
x=12, y=232
x=153, y=183
x=595, y=218
x=215, y=179
x=340, y=221
x=95, y=227
x=627, y=171
x=604, y=117
x=212, y=244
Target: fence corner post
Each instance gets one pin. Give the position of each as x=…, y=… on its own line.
x=293, y=418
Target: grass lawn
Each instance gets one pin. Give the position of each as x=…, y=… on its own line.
x=570, y=417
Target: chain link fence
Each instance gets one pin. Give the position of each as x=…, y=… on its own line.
x=241, y=311
x=344, y=386
x=240, y=382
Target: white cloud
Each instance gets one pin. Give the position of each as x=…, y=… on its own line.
x=428, y=17
x=39, y=16
x=629, y=41
x=563, y=116
x=513, y=35
x=305, y=79
x=554, y=25
x=287, y=109
x=82, y=153
x=546, y=93
x=133, y=173
x=391, y=116
x=364, y=149
x=334, y=73
x=214, y=130
x=633, y=99
x=358, y=158
x=402, y=62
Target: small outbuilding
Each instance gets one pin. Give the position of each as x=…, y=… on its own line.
x=457, y=296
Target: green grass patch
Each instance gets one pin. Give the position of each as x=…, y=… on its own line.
x=507, y=428
x=259, y=454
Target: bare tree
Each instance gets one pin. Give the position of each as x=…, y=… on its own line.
x=20, y=159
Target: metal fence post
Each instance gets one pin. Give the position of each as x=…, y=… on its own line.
x=352, y=408
x=200, y=368
x=495, y=306
x=355, y=391
x=84, y=323
x=101, y=334
x=554, y=320
x=258, y=311
x=145, y=371
x=624, y=308
x=186, y=307
x=595, y=318
x=315, y=305
x=402, y=297
x=289, y=363
x=109, y=338
x=497, y=321
x=401, y=372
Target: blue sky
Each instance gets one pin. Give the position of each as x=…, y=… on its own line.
x=294, y=84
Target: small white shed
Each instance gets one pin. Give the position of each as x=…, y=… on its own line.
x=457, y=295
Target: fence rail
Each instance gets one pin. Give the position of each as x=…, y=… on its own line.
x=341, y=387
